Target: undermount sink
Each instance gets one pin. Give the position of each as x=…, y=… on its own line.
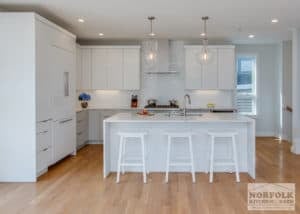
x=181, y=114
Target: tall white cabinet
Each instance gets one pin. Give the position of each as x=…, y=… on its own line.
x=108, y=68
x=38, y=81
x=218, y=74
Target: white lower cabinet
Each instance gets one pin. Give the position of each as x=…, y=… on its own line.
x=64, y=138
x=44, y=146
x=82, y=125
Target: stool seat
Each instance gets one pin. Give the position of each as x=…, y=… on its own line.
x=222, y=134
x=179, y=134
x=122, y=147
x=172, y=135
x=234, y=163
x=132, y=134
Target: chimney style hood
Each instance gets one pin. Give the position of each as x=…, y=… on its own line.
x=163, y=62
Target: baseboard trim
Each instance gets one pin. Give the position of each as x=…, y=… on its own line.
x=95, y=142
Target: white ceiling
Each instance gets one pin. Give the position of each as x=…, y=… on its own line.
x=231, y=20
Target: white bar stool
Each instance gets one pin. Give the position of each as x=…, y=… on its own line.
x=172, y=135
x=122, y=147
x=234, y=163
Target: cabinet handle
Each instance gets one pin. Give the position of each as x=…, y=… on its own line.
x=65, y=121
x=44, y=121
x=79, y=121
x=44, y=150
x=44, y=132
x=79, y=133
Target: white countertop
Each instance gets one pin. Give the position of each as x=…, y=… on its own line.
x=163, y=117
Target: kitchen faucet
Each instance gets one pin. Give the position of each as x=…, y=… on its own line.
x=189, y=101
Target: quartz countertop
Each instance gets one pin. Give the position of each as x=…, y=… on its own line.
x=164, y=117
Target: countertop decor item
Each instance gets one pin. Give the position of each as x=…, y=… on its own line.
x=84, y=98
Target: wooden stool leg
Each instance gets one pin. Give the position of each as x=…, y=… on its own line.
x=168, y=159
x=120, y=159
x=212, y=159
x=235, y=159
x=192, y=159
x=144, y=162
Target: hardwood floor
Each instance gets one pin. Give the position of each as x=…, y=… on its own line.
x=76, y=185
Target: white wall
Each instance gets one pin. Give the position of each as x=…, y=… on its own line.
x=268, y=87
x=287, y=89
x=17, y=86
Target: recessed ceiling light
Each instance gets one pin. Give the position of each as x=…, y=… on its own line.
x=80, y=20
x=202, y=34
x=101, y=34
x=251, y=36
x=274, y=20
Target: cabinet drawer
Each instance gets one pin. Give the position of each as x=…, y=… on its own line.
x=82, y=137
x=44, y=136
x=82, y=116
x=44, y=159
x=82, y=125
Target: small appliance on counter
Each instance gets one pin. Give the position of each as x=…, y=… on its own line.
x=152, y=104
x=134, y=101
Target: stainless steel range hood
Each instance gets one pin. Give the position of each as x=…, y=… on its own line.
x=164, y=63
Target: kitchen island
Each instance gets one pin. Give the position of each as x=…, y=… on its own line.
x=156, y=141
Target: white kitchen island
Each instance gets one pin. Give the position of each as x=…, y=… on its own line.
x=156, y=140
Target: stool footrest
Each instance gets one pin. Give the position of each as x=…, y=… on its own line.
x=131, y=164
x=224, y=164
x=180, y=164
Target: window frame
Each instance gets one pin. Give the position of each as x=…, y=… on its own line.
x=252, y=95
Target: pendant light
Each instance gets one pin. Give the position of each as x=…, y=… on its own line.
x=151, y=47
x=205, y=56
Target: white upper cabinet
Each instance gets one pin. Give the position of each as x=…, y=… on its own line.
x=115, y=68
x=99, y=69
x=110, y=67
x=218, y=74
x=86, y=63
x=131, y=69
x=78, y=68
x=193, y=76
x=227, y=75
x=210, y=71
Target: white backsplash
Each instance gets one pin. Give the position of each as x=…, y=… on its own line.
x=162, y=87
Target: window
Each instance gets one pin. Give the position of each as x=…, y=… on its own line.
x=246, y=85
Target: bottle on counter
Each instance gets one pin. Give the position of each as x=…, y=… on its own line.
x=134, y=101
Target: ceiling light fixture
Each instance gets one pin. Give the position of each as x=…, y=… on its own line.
x=251, y=36
x=274, y=20
x=151, y=48
x=205, y=56
x=81, y=20
x=101, y=34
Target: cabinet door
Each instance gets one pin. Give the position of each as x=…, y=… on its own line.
x=99, y=69
x=226, y=66
x=115, y=68
x=210, y=72
x=64, y=138
x=193, y=69
x=86, y=68
x=44, y=71
x=94, y=126
x=131, y=69
x=78, y=68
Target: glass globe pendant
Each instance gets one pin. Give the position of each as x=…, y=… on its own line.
x=205, y=56
x=151, y=47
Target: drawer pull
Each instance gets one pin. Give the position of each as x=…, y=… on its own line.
x=44, y=121
x=44, y=150
x=44, y=132
x=79, y=133
x=79, y=121
x=65, y=121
